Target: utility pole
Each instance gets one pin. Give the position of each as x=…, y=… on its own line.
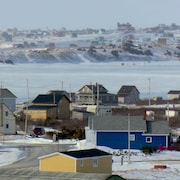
x=1, y=101
x=62, y=85
x=70, y=95
x=168, y=113
x=129, y=141
x=97, y=86
x=27, y=103
x=92, y=93
x=149, y=87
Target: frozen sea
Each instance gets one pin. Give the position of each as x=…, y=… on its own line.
x=28, y=80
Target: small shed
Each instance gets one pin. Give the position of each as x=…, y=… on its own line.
x=83, y=161
x=128, y=94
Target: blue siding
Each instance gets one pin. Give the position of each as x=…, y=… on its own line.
x=115, y=140
x=119, y=140
x=157, y=140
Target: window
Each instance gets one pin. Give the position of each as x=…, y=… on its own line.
x=81, y=163
x=6, y=113
x=38, y=112
x=95, y=162
x=132, y=137
x=107, y=98
x=7, y=126
x=148, y=139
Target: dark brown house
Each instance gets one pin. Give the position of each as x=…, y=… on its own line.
x=54, y=105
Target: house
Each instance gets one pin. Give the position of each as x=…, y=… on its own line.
x=80, y=114
x=82, y=161
x=8, y=98
x=162, y=41
x=173, y=94
x=54, y=105
x=128, y=94
x=7, y=120
x=112, y=131
x=95, y=94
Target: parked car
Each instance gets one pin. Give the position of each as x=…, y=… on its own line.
x=39, y=131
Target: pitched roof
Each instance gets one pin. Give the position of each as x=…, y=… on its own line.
x=94, y=87
x=85, y=153
x=126, y=90
x=6, y=93
x=48, y=98
x=120, y=123
x=117, y=123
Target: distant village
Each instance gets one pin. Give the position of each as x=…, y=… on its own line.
x=153, y=43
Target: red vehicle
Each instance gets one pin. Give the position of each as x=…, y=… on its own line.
x=39, y=131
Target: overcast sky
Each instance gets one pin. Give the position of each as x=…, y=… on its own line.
x=80, y=14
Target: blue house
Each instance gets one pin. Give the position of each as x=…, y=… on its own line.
x=116, y=131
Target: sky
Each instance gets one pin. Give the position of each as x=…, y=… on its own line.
x=82, y=14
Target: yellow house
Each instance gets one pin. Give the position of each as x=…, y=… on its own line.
x=83, y=161
x=49, y=106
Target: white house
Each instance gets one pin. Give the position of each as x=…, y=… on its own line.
x=173, y=94
x=7, y=120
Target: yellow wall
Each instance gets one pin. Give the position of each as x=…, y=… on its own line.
x=104, y=166
x=57, y=163
x=36, y=114
x=61, y=163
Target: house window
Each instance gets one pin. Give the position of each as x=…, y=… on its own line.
x=81, y=163
x=132, y=137
x=148, y=139
x=6, y=113
x=95, y=162
x=38, y=112
x=114, y=98
x=107, y=98
x=7, y=126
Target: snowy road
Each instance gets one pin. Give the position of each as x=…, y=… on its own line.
x=33, y=151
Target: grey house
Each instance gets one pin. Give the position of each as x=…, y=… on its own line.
x=95, y=94
x=128, y=95
x=8, y=98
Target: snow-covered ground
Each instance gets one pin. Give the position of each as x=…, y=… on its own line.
x=140, y=166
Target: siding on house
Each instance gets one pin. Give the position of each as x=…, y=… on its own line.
x=63, y=108
x=128, y=94
x=7, y=120
x=57, y=163
x=8, y=98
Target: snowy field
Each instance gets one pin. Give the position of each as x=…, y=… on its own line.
x=140, y=166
